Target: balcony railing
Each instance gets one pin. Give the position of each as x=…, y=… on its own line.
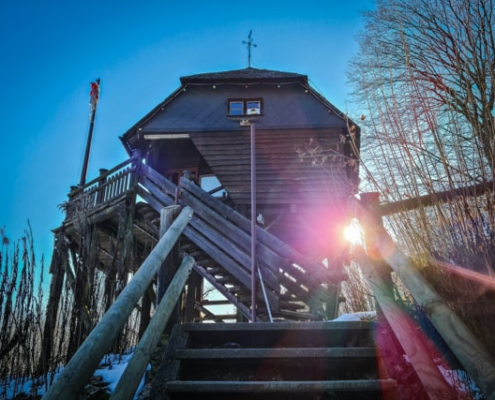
x=110, y=187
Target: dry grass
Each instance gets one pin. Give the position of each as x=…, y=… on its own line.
x=23, y=313
x=21, y=309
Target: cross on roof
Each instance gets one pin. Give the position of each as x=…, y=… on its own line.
x=249, y=43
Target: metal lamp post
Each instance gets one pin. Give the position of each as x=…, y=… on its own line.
x=253, y=222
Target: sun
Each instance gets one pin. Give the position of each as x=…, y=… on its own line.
x=353, y=232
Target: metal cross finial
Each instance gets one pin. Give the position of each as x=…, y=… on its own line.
x=249, y=43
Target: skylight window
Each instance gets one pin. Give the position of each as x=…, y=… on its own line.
x=245, y=107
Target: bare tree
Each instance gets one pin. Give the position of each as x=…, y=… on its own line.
x=424, y=74
x=424, y=77
x=447, y=47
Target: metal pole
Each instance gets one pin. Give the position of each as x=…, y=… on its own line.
x=253, y=222
x=90, y=138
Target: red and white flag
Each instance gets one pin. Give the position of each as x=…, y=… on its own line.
x=94, y=94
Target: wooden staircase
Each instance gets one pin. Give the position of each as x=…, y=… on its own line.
x=219, y=239
x=300, y=360
x=283, y=360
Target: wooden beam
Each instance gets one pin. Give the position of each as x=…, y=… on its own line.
x=475, y=358
x=434, y=198
x=82, y=365
x=129, y=381
x=405, y=330
x=289, y=387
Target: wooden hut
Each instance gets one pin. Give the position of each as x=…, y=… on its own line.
x=306, y=166
x=306, y=150
x=216, y=126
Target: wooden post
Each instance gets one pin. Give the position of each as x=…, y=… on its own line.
x=145, y=312
x=137, y=162
x=100, y=197
x=129, y=382
x=57, y=271
x=194, y=294
x=477, y=361
x=82, y=365
x=169, y=267
x=332, y=306
x=167, y=272
x=406, y=332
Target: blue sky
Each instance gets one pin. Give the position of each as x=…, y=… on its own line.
x=52, y=49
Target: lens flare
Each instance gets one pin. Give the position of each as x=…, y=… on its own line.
x=353, y=233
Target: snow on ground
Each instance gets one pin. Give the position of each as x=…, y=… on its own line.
x=358, y=316
x=110, y=370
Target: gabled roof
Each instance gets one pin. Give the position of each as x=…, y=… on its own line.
x=191, y=110
x=245, y=75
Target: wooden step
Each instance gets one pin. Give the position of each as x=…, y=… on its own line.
x=286, y=364
x=236, y=353
x=282, y=360
x=345, y=389
x=281, y=334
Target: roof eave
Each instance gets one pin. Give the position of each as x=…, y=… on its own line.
x=135, y=128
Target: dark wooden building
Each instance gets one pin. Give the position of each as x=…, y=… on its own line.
x=119, y=226
x=306, y=161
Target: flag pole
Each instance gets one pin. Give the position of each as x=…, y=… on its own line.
x=94, y=95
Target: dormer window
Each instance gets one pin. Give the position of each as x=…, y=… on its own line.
x=245, y=107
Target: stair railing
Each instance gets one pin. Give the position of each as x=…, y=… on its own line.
x=87, y=358
x=384, y=257
x=281, y=264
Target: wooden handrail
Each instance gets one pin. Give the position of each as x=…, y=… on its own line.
x=434, y=198
x=129, y=381
x=84, y=362
x=405, y=330
x=474, y=357
x=111, y=185
x=105, y=175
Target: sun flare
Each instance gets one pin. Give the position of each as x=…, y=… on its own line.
x=353, y=232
